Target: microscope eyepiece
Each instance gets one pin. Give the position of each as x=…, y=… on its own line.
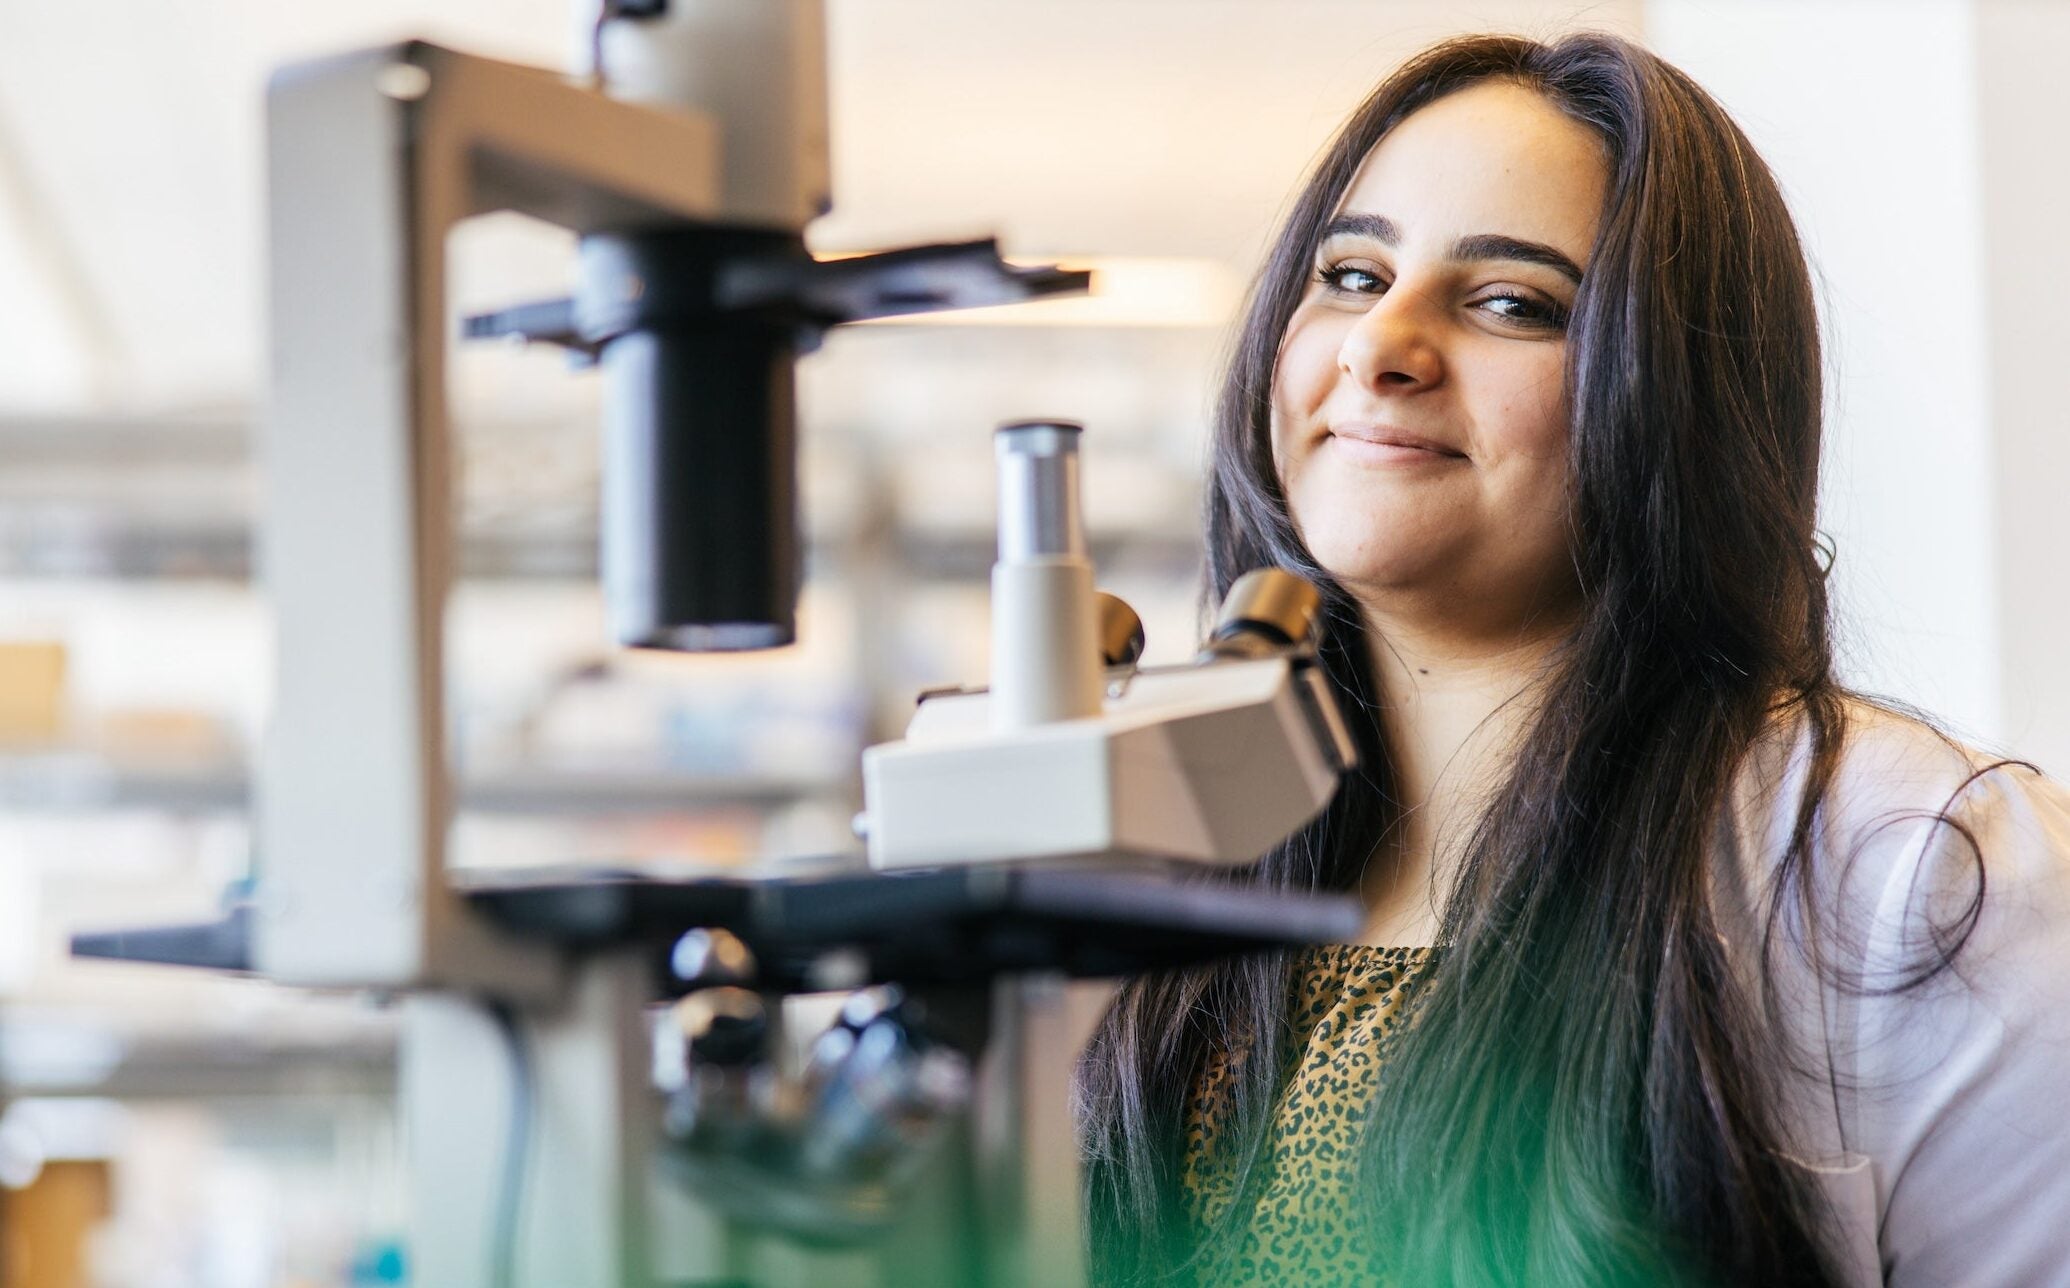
x=1038, y=491
x=1045, y=633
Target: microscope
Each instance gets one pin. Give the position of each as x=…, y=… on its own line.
x=853, y=1072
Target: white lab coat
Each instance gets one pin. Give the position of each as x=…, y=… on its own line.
x=1937, y=1120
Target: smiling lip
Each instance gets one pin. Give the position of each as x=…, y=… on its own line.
x=1381, y=443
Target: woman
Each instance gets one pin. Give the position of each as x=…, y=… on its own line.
x=1683, y=964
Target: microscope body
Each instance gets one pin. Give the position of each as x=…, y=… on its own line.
x=690, y=184
x=1210, y=763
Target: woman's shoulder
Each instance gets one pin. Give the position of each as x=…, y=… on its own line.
x=1902, y=792
x=1939, y=910
x=1922, y=849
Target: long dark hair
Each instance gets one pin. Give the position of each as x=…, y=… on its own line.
x=1586, y=1096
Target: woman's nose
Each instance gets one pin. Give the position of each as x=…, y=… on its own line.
x=1392, y=347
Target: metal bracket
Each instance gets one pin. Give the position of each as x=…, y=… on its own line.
x=374, y=157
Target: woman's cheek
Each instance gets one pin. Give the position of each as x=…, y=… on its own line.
x=1307, y=365
x=1538, y=410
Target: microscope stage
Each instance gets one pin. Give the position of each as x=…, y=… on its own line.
x=935, y=926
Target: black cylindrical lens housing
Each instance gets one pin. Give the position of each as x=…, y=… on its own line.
x=700, y=536
x=700, y=544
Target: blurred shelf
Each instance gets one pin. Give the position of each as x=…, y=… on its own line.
x=145, y=499
x=66, y=782
x=40, y=542
x=968, y=556
x=539, y=791
x=128, y=442
x=126, y=549
x=209, y=1067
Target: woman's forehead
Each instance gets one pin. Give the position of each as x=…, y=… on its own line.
x=1498, y=158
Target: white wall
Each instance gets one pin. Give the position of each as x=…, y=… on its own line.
x=131, y=132
x=1121, y=127
x=1869, y=116
x=1922, y=145
x=2026, y=161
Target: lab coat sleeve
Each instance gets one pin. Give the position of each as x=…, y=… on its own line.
x=1961, y=1087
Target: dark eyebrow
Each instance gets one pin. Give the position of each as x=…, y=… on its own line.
x=1378, y=227
x=1496, y=246
x=1480, y=246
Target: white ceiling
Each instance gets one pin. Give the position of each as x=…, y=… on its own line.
x=129, y=145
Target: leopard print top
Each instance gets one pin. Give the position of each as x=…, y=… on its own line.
x=1297, y=1226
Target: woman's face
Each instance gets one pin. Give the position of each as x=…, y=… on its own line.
x=1419, y=417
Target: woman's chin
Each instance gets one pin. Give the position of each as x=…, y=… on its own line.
x=1369, y=574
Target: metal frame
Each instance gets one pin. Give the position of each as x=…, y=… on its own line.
x=374, y=157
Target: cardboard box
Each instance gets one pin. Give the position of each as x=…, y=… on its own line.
x=32, y=691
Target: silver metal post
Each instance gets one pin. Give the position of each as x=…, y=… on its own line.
x=1038, y=491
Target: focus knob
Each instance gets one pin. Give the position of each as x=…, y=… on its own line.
x=709, y=958
x=1266, y=610
x=722, y=1026
x=1121, y=631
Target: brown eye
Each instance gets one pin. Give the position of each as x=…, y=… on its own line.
x=1524, y=310
x=1349, y=280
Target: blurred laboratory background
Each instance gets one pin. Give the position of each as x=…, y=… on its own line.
x=161, y=1129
